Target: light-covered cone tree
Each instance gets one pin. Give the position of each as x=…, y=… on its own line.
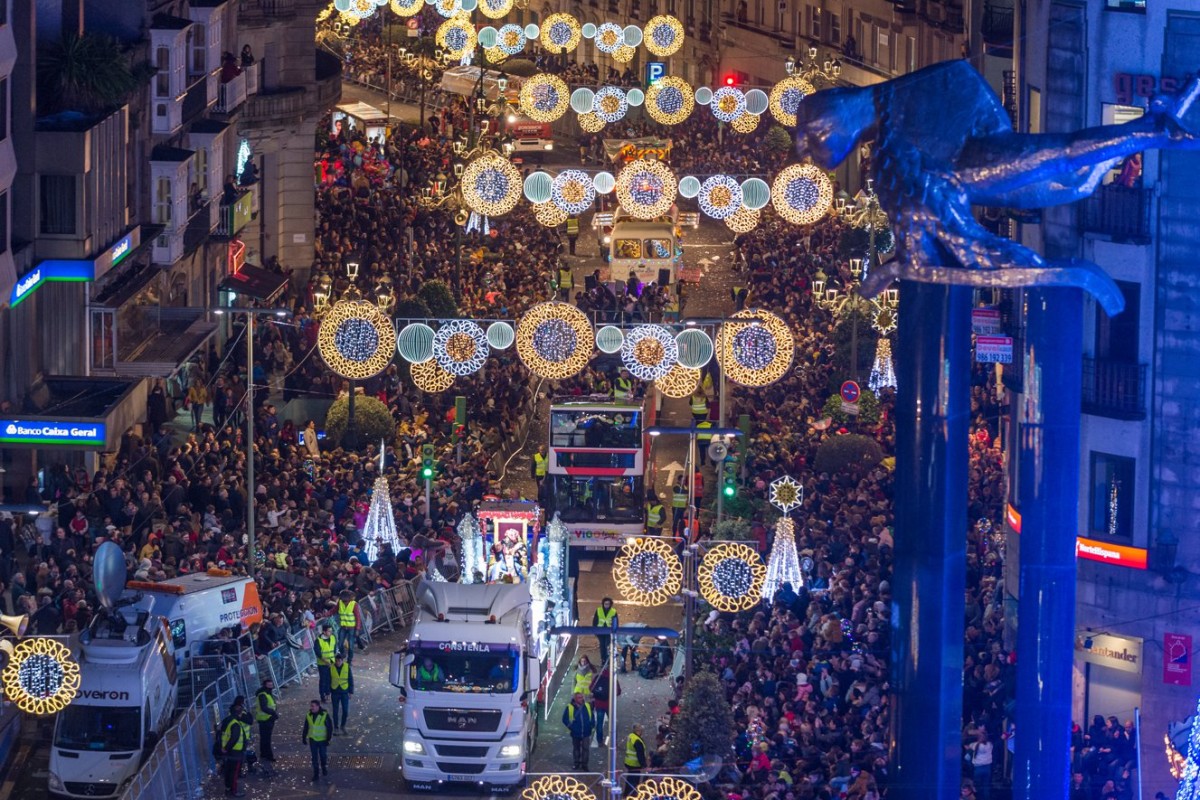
x=380, y=527
x=783, y=565
x=704, y=727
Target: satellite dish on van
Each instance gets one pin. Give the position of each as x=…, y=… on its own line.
x=108, y=570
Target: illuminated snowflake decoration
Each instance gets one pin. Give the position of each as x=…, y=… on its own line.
x=647, y=572
x=572, y=191
x=495, y=9
x=649, y=352
x=491, y=185
x=40, y=677
x=785, y=99
x=356, y=339
x=802, y=194
x=720, y=196
x=544, y=98
x=663, y=35
x=406, y=8
x=609, y=104
x=590, y=123
x=755, y=347
x=670, y=100
x=786, y=494
x=560, y=33
x=448, y=8
x=557, y=787
x=460, y=347
x=554, y=340
x=429, y=377
x=510, y=39
x=728, y=103
x=646, y=189
x=731, y=577
x=743, y=220
x=680, y=382
x=665, y=789
x=457, y=36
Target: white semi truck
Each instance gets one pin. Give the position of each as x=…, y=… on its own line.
x=469, y=678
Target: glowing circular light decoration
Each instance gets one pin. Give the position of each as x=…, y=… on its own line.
x=500, y=335
x=624, y=54
x=415, y=343
x=755, y=347
x=746, y=123
x=460, y=347
x=669, y=100
x=557, y=787
x=549, y=215
x=457, y=36
x=510, y=39
x=572, y=191
x=647, y=572
x=757, y=102
x=355, y=339
x=406, y=8
x=469, y=5
x=560, y=33
x=581, y=100
x=680, y=382
x=785, y=99
x=704, y=95
x=663, y=35
x=429, y=377
x=604, y=182
x=609, y=339
x=495, y=55
x=609, y=37
x=802, y=194
x=635, y=97
x=755, y=193
x=487, y=39
x=341, y=5
x=743, y=220
x=491, y=185
x=609, y=104
x=537, y=187
x=665, y=789
x=350, y=19
x=40, y=676
x=695, y=348
x=588, y=30
x=447, y=8
x=646, y=189
x=786, y=494
x=554, y=340
x=728, y=103
x=731, y=577
x=649, y=352
x=495, y=9
x=590, y=123
x=544, y=97
x=720, y=196
x=532, y=31
x=689, y=186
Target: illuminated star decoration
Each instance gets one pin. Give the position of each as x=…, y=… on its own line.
x=728, y=103
x=720, y=196
x=356, y=339
x=786, y=494
x=544, y=97
x=646, y=189
x=609, y=36
x=649, y=352
x=560, y=33
x=665, y=789
x=731, y=577
x=40, y=676
x=755, y=347
x=572, y=191
x=669, y=100
x=491, y=185
x=554, y=340
x=557, y=787
x=802, y=194
x=609, y=104
x=460, y=347
x=783, y=564
x=663, y=35
x=647, y=572
x=785, y=99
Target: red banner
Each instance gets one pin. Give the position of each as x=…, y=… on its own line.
x=1177, y=659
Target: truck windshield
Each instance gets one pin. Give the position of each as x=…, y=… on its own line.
x=440, y=671
x=104, y=728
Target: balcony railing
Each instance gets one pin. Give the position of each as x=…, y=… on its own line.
x=231, y=95
x=253, y=75
x=1114, y=389
x=266, y=10
x=236, y=215
x=195, y=102
x=998, y=24
x=1120, y=212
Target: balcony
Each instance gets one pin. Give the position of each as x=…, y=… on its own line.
x=195, y=100
x=253, y=75
x=264, y=12
x=1119, y=212
x=231, y=94
x=1114, y=389
x=200, y=225
x=168, y=248
x=998, y=25
x=232, y=217
x=287, y=104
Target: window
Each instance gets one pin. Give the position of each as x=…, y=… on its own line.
x=835, y=29
x=814, y=22
x=3, y=105
x=1112, y=493
x=1136, y=6
x=198, y=34
x=3, y=219
x=884, y=56
x=58, y=205
x=162, y=201
x=910, y=53
x=1117, y=337
x=162, y=79
x=201, y=169
x=1035, y=110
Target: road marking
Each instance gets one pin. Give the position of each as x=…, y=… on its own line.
x=586, y=565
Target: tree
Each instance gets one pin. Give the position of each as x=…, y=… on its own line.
x=868, y=409
x=732, y=529
x=704, y=726
x=436, y=295
x=777, y=141
x=88, y=73
x=848, y=453
x=411, y=307
x=520, y=67
x=372, y=420
x=380, y=527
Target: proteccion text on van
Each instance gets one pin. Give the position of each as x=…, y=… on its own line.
x=197, y=606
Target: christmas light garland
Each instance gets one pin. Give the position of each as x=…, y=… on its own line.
x=40, y=677
x=554, y=340
x=460, y=347
x=670, y=100
x=728, y=103
x=572, y=191
x=557, y=787
x=457, y=36
x=510, y=39
x=355, y=339
x=663, y=35
x=665, y=789
x=649, y=352
x=785, y=99
x=491, y=185
x=731, y=577
x=646, y=189
x=544, y=97
x=680, y=382
x=647, y=572
x=757, y=351
x=609, y=104
x=802, y=194
x=720, y=196
x=429, y=377
x=560, y=33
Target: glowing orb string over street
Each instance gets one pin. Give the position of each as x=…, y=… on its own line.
x=429, y=377
x=572, y=191
x=663, y=35
x=460, y=347
x=802, y=194
x=646, y=189
x=670, y=100
x=491, y=185
x=720, y=196
x=649, y=352
x=680, y=382
x=647, y=572
x=785, y=99
x=544, y=97
x=560, y=33
x=755, y=347
x=554, y=340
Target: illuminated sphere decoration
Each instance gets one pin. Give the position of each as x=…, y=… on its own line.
x=560, y=33
x=510, y=39
x=581, y=100
x=665, y=789
x=743, y=220
x=554, y=340
x=695, y=348
x=689, y=186
x=633, y=35
x=609, y=37
x=406, y=8
x=624, y=54
x=609, y=104
x=680, y=382
x=495, y=9
x=785, y=98
x=728, y=103
x=756, y=352
x=588, y=30
x=487, y=40
x=356, y=339
x=491, y=185
x=635, y=97
x=649, y=352
x=755, y=193
x=647, y=572
x=704, y=95
x=500, y=335
x=40, y=677
x=663, y=35
x=537, y=187
x=544, y=97
x=646, y=189
x=415, y=343
x=557, y=787
x=757, y=102
x=549, y=215
x=447, y=8
x=532, y=31
x=746, y=123
x=669, y=100
x=460, y=347
x=802, y=194
x=590, y=123
x=720, y=196
x=572, y=191
x=609, y=339
x=457, y=36
x=731, y=577
x=604, y=182
x=429, y=377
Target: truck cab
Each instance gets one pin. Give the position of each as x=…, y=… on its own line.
x=469, y=677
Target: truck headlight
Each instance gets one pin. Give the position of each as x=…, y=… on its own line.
x=416, y=748
x=56, y=784
x=510, y=751
x=550, y=146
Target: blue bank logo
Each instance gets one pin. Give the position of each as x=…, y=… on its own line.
x=42, y=432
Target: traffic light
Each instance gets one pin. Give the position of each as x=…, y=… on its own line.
x=731, y=80
x=729, y=478
x=428, y=462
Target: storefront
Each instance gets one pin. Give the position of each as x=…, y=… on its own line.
x=1108, y=667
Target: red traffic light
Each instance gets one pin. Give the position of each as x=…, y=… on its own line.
x=730, y=80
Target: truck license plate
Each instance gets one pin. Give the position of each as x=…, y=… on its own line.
x=464, y=778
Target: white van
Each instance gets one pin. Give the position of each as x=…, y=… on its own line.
x=126, y=700
x=197, y=606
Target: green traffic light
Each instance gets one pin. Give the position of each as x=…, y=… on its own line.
x=730, y=490
x=427, y=473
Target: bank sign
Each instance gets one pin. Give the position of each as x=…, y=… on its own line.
x=36, y=433
x=47, y=271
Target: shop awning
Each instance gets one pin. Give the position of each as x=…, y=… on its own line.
x=255, y=282
x=177, y=334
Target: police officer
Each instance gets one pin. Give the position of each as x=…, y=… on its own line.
x=326, y=648
x=654, y=515
x=316, y=735
x=266, y=713
x=623, y=390
x=234, y=738
x=605, y=617
x=679, y=504
x=635, y=758
x=703, y=440
x=699, y=406
x=572, y=232
x=342, y=683
x=348, y=619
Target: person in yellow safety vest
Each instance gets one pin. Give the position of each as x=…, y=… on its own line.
x=316, y=735
x=326, y=647
x=605, y=617
x=623, y=390
x=703, y=440
x=699, y=406
x=342, y=683
x=540, y=465
x=679, y=504
x=234, y=739
x=654, y=516
x=565, y=283
x=580, y=720
x=584, y=673
x=635, y=759
x=349, y=618
x=706, y=384
x=430, y=674
x=265, y=714
x=572, y=232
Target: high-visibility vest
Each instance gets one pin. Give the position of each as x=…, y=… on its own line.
x=540, y=465
x=631, y=756
x=325, y=650
x=339, y=679
x=606, y=617
x=679, y=499
x=346, y=614
x=707, y=383
x=699, y=404
x=624, y=389
x=318, y=726
x=583, y=682
x=429, y=676
x=572, y=226
x=259, y=714
x=564, y=278
x=704, y=437
x=654, y=516
x=281, y=560
x=571, y=711
x=233, y=737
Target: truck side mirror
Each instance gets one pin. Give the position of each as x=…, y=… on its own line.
x=403, y=694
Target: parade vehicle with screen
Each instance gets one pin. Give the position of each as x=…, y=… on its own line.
x=469, y=676
x=198, y=606
x=651, y=250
